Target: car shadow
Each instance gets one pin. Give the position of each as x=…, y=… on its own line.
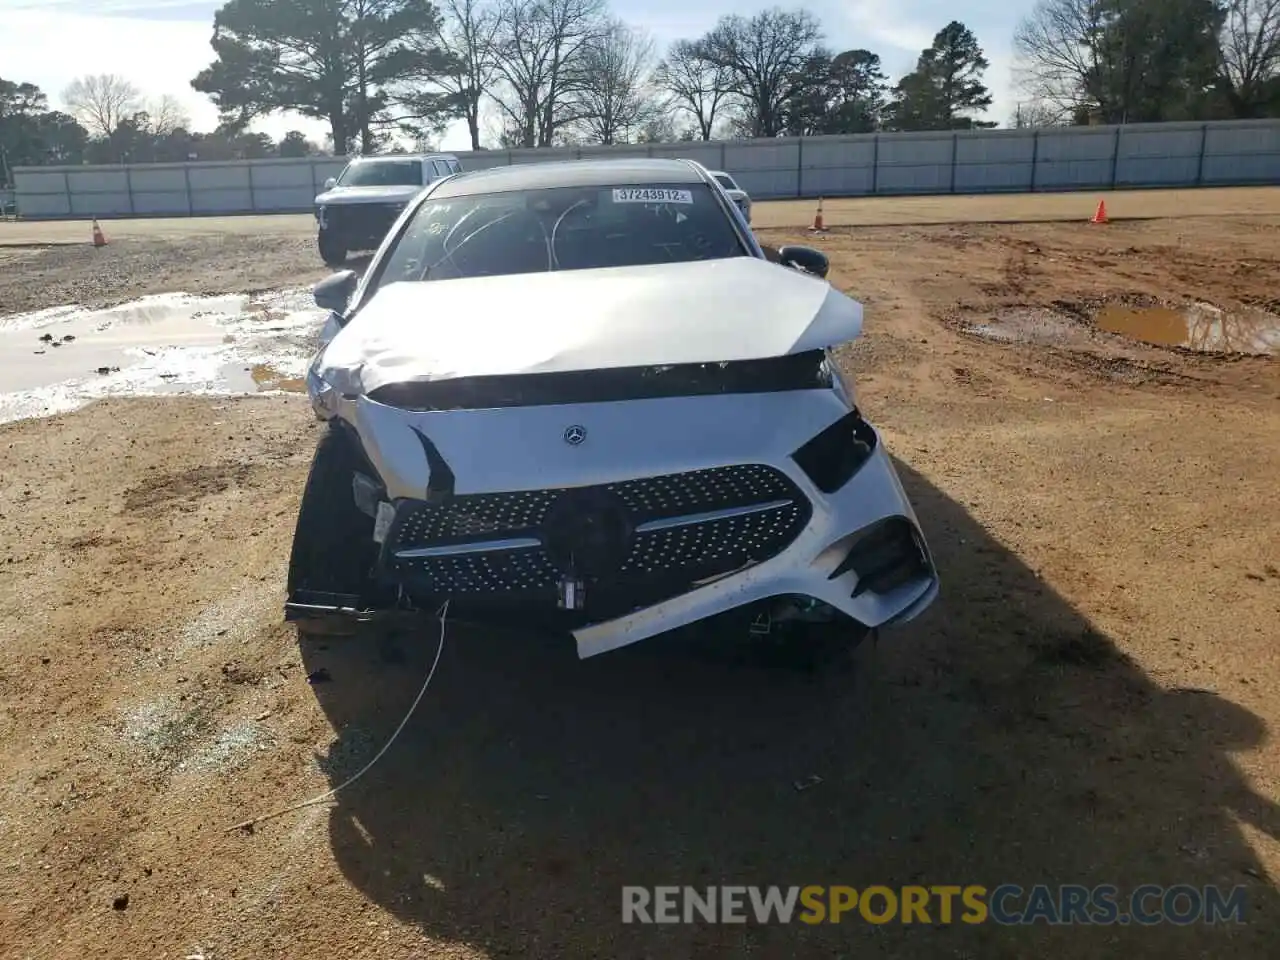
x=998, y=739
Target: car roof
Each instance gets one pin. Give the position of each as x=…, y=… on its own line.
x=569, y=173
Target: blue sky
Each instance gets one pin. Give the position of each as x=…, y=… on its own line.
x=161, y=44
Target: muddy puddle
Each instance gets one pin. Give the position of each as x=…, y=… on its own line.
x=1201, y=327
x=59, y=359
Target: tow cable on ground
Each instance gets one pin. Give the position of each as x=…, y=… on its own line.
x=443, y=615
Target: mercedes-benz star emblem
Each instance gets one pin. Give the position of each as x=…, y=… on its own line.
x=575, y=435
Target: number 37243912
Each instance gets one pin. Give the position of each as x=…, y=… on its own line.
x=651, y=195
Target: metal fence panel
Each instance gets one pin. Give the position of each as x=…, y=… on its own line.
x=158, y=202
x=231, y=176
x=160, y=178
x=1241, y=155
x=709, y=153
x=621, y=152
x=995, y=161
x=915, y=162
x=1168, y=157
x=931, y=162
x=223, y=200
x=835, y=166
x=44, y=206
x=484, y=159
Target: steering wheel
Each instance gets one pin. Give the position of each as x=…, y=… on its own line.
x=551, y=240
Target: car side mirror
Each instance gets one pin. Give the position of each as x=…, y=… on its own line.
x=805, y=258
x=333, y=293
x=330, y=183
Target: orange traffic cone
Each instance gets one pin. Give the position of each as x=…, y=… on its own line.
x=99, y=238
x=817, y=218
x=1100, y=215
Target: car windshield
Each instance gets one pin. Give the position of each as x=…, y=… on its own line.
x=383, y=173
x=726, y=181
x=562, y=228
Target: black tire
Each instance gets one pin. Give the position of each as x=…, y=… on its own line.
x=333, y=550
x=333, y=249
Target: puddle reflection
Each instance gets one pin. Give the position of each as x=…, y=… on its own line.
x=1200, y=326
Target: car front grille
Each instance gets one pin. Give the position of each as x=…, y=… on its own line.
x=631, y=543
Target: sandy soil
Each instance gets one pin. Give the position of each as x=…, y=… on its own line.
x=1090, y=701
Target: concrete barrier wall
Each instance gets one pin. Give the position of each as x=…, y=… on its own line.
x=1227, y=153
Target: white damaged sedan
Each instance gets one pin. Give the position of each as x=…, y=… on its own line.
x=580, y=396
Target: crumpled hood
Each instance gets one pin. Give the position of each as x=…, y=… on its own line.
x=342, y=195
x=706, y=311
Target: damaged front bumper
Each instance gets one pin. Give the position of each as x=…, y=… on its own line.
x=646, y=515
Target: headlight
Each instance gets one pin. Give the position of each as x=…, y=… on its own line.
x=324, y=398
x=324, y=395
x=331, y=385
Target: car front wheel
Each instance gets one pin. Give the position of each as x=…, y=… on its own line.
x=333, y=250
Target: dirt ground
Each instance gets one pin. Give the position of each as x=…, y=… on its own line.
x=1090, y=700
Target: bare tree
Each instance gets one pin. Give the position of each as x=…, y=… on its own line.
x=766, y=56
x=661, y=127
x=1031, y=114
x=1122, y=62
x=1250, y=52
x=1059, y=56
x=165, y=114
x=539, y=52
x=615, y=100
x=468, y=32
x=101, y=101
x=523, y=63
x=698, y=86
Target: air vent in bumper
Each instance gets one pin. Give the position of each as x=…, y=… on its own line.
x=886, y=556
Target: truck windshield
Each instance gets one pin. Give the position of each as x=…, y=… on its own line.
x=382, y=173
x=562, y=228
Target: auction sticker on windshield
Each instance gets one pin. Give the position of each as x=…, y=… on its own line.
x=651, y=195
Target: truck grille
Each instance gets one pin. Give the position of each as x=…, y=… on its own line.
x=635, y=542
x=364, y=220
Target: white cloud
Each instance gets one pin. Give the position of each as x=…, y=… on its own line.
x=891, y=29
x=878, y=25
